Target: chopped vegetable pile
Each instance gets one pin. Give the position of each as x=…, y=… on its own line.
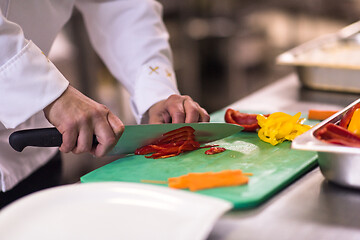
x=272, y=128
x=172, y=144
x=280, y=126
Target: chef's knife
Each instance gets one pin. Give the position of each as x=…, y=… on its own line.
x=134, y=136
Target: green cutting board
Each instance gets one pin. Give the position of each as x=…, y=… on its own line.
x=273, y=167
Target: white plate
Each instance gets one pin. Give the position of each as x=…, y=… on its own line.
x=112, y=210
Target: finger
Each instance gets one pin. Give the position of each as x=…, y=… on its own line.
x=191, y=111
x=105, y=136
x=162, y=116
x=155, y=119
x=175, y=107
x=158, y=113
x=84, y=140
x=177, y=114
x=116, y=124
x=204, y=115
x=166, y=117
x=69, y=139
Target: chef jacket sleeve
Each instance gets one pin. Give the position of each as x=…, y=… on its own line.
x=131, y=39
x=28, y=80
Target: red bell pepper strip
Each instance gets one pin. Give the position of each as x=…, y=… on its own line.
x=174, y=151
x=180, y=130
x=246, y=120
x=151, y=148
x=335, y=134
x=183, y=133
x=345, y=120
x=214, y=150
x=144, y=150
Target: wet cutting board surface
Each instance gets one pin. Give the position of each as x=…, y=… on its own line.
x=274, y=167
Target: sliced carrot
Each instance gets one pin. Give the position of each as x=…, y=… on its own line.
x=315, y=114
x=199, y=181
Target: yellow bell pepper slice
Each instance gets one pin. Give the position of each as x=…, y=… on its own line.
x=279, y=126
x=354, y=125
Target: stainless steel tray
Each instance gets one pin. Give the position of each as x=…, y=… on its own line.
x=338, y=164
x=330, y=62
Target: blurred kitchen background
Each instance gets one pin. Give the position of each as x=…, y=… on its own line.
x=223, y=50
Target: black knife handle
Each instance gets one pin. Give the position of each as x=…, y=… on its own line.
x=40, y=137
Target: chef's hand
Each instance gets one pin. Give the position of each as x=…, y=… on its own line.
x=78, y=118
x=177, y=109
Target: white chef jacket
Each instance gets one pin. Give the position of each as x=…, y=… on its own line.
x=128, y=35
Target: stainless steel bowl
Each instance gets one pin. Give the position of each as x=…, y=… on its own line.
x=338, y=164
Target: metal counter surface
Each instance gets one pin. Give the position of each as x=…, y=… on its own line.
x=311, y=207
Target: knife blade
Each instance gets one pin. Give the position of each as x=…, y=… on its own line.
x=133, y=137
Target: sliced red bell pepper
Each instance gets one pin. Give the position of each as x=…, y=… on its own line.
x=246, y=120
x=345, y=120
x=175, y=150
x=144, y=150
x=180, y=130
x=335, y=134
x=171, y=144
x=151, y=148
x=183, y=133
x=214, y=150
